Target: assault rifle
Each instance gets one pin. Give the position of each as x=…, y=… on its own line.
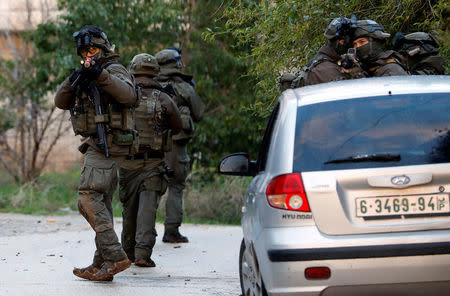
x=349, y=59
x=94, y=96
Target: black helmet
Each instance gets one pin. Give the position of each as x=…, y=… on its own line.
x=170, y=58
x=415, y=43
x=369, y=28
x=92, y=36
x=340, y=27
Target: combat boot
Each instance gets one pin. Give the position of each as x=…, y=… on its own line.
x=174, y=237
x=110, y=268
x=88, y=272
x=144, y=262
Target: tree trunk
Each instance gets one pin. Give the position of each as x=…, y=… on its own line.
x=189, y=10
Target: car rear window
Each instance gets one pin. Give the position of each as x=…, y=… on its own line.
x=414, y=126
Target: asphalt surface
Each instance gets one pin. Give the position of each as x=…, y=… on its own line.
x=37, y=255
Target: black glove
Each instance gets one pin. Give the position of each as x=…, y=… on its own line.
x=93, y=72
x=75, y=74
x=76, y=78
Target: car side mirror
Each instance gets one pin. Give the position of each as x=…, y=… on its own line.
x=237, y=164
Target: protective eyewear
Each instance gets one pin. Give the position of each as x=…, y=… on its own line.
x=90, y=51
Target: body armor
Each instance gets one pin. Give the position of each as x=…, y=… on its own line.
x=190, y=106
x=153, y=134
x=182, y=98
x=117, y=118
x=421, y=53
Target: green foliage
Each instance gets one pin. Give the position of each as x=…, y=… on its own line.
x=211, y=198
x=136, y=26
x=222, y=82
x=51, y=193
x=208, y=198
x=285, y=34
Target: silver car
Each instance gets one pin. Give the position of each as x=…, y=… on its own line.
x=350, y=191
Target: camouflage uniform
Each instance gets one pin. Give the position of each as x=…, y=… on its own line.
x=191, y=109
x=420, y=53
x=99, y=174
x=143, y=179
x=374, y=59
x=323, y=67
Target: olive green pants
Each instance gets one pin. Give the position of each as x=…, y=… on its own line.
x=98, y=181
x=178, y=160
x=140, y=191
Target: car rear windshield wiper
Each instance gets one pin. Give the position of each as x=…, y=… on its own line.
x=367, y=157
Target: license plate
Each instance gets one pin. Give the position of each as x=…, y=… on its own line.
x=404, y=205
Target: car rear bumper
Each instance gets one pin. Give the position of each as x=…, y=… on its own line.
x=378, y=251
x=359, y=264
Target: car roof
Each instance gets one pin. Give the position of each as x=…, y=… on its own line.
x=368, y=87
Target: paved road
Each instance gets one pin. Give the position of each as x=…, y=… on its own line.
x=37, y=256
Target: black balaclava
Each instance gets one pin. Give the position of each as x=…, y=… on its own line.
x=370, y=51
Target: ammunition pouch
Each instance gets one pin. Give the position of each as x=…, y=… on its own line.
x=186, y=119
x=121, y=118
x=118, y=119
x=125, y=138
x=187, y=125
x=83, y=121
x=83, y=148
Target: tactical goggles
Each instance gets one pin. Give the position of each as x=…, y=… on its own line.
x=89, y=51
x=88, y=38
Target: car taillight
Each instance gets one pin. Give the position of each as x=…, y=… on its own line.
x=317, y=273
x=287, y=192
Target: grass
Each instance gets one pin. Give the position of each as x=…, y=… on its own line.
x=52, y=193
x=208, y=197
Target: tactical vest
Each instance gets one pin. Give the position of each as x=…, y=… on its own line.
x=183, y=106
x=118, y=119
x=426, y=65
x=393, y=58
x=303, y=75
x=153, y=135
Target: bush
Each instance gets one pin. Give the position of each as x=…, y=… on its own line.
x=52, y=193
x=211, y=198
x=208, y=197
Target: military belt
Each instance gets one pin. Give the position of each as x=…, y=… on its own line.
x=147, y=155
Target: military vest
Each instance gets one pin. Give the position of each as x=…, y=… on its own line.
x=118, y=119
x=426, y=65
x=303, y=75
x=387, y=57
x=181, y=98
x=150, y=124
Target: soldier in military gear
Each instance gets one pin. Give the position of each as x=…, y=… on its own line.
x=323, y=67
x=101, y=75
x=420, y=53
x=369, y=38
x=191, y=109
x=143, y=178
